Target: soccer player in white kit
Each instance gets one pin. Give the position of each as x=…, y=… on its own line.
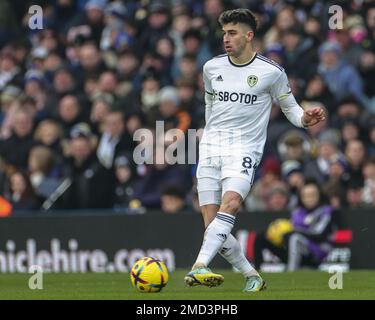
x=239, y=88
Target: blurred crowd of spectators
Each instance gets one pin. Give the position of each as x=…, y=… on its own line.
x=73, y=93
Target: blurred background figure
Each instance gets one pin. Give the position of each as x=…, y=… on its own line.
x=340, y=77
x=15, y=149
x=125, y=180
x=90, y=184
x=270, y=178
x=44, y=171
x=173, y=200
x=307, y=239
x=21, y=194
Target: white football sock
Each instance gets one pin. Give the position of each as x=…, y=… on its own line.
x=215, y=235
x=231, y=250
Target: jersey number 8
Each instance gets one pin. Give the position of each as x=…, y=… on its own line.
x=247, y=163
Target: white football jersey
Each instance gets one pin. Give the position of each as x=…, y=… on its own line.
x=240, y=98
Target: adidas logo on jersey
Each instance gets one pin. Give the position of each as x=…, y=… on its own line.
x=222, y=236
x=219, y=78
x=245, y=172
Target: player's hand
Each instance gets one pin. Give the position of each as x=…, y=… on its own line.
x=312, y=116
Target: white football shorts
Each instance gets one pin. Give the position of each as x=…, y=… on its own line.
x=219, y=174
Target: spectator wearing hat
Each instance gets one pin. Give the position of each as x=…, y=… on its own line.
x=292, y=174
x=91, y=184
x=37, y=58
x=125, y=181
x=170, y=112
x=35, y=87
x=115, y=35
x=328, y=149
x=157, y=25
x=173, y=200
x=341, y=78
x=93, y=18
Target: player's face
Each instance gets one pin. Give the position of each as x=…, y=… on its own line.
x=236, y=37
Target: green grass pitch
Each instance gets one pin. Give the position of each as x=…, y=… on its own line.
x=298, y=285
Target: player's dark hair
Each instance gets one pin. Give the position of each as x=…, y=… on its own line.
x=239, y=16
